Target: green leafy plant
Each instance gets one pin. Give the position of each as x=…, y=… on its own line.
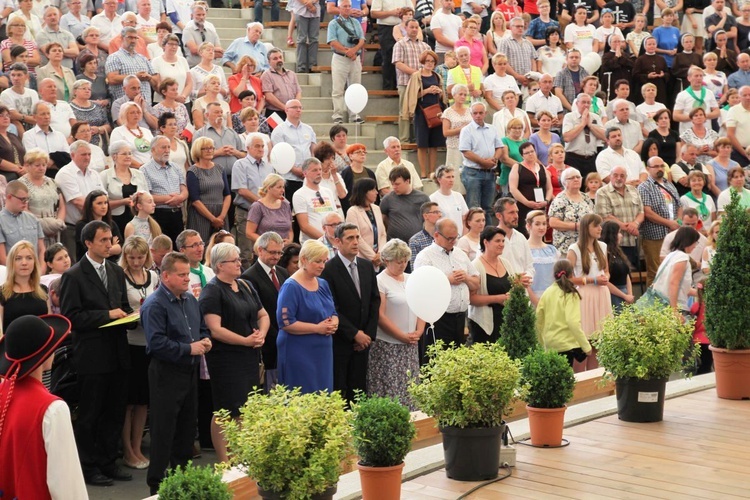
x=650, y=343
x=727, y=321
x=290, y=443
x=193, y=483
x=382, y=431
x=518, y=331
x=468, y=386
x=547, y=379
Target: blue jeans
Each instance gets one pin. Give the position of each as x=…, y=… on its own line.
x=480, y=188
x=275, y=11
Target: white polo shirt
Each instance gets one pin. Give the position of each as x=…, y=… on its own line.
x=73, y=183
x=608, y=159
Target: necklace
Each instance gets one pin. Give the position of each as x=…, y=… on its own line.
x=494, y=268
x=139, y=135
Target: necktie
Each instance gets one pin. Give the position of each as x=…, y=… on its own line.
x=355, y=277
x=274, y=279
x=103, y=274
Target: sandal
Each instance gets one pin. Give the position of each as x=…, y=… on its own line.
x=289, y=41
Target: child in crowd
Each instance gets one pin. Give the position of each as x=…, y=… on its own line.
x=143, y=224
x=451, y=61
x=558, y=316
x=58, y=261
x=54, y=296
x=698, y=310
x=593, y=183
x=544, y=254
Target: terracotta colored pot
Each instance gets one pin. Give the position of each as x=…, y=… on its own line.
x=546, y=425
x=380, y=483
x=732, y=373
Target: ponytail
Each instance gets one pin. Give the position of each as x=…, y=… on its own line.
x=563, y=271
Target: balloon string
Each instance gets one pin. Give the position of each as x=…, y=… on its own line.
x=431, y=328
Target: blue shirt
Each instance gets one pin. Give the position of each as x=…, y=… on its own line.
x=667, y=38
x=171, y=324
x=17, y=227
x=482, y=140
x=538, y=28
x=244, y=47
x=301, y=138
x=248, y=174
x=738, y=79
x=336, y=32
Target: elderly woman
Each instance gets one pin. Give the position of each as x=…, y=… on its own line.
x=700, y=136
x=617, y=61
x=727, y=57
x=455, y=118
x=339, y=135
x=179, y=153
x=208, y=191
x=172, y=102
x=122, y=182
x=512, y=139
x=511, y=111
x=138, y=137
x=44, y=199
x=356, y=170
x=172, y=65
x=394, y=354
x=544, y=138
x=698, y=199
x=63, y=77
x=425, y=89
x=244, y=79
x=567, y=210
x=212, y=88
x=30, y=18
x=307, y=319
x=529, y=183
x=272, y=211
x=365, y=214
x=250, y=122
x=87, y=110
x=90, y=73
x=674, y=277
x=15, y=30
x=11, y=149
x=206, y=68
x=91, y=37
x=139, y=283
x=487, y=303
x=238, y=323
x=722, y=163
x=736, y=178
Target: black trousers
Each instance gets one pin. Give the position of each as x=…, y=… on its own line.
x=101, y=415
x=170, y=221
x=449, y=328
x=174, y=408
x=385, y=36
x=349, y=371
x=585, y=165
x=291, y=188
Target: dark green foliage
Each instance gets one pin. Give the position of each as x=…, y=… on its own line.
x=727, y=318
x=193, y=483
x=382, y=431
x=547, y=378
x=518, y=331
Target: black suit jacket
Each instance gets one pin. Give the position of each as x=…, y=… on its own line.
x=355, y=313
x=86, y=303
x=268, y=297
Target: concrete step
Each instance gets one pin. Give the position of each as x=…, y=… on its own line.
x=310, y=103
x=311, y=91
x=325, y=56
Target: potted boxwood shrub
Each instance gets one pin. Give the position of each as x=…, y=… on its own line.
x=382, y=431
x=548, y=383
x=518, y=331
x=292, y=444
x=193, y=483
x=641, y=348
x=467, y=390
x=727, y=321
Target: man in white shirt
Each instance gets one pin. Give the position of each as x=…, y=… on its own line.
x=75, y=181
x=738, y=127
x=451, y=203
x=695, y=96
x=108, y=22
x=178, y=12
x=517, y=250
x=146, y=22
x=386, y=12
x=618, y=155
x=544, y=99
x=42, y=136
x=445, y=26
x=20, y=100
x=311, y=202
x=392, y=147
x=192, y=245
x=63, y=117
x=632, y=134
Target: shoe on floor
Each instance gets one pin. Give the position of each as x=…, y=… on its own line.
x=117, y=474
x=99, y=479
x=140, y=465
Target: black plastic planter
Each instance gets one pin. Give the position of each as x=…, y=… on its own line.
x=472, y=454
x=640, y=400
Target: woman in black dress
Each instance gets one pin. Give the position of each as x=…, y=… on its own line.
x=617, y=61
x=620, y=287
x=650, y=67
x=487, y=303
x=529, y=184
x=238, y=324
x=667, y=139
x=22, y=294
x=425, y=88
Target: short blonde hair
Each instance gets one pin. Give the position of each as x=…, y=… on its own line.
x=515, y=122
x=313, y=250
x=270, y=181
x=124, y=111
x=648, y=86
x=195, y=149
x=555, y=147
x=136, y=245
x=34, y=155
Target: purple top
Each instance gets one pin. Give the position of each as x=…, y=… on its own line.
x=270, y=219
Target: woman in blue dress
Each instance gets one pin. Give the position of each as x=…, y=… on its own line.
x=307, y=318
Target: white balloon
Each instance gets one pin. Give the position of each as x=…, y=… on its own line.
x=282, y=157
x=591, y=62
x=356, y=98
x=428, y=293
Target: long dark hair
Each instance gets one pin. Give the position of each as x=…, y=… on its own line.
x=584, y=237
x=610, y=232
x=88, y=207
x=563, y=271
x=360, y=190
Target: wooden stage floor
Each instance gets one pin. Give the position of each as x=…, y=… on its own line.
x=700, y=450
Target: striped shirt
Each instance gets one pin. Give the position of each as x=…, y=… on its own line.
x=407, y=51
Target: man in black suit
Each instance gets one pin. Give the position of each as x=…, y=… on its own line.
x=355, y=292
x=267, y=279
x=93, y=294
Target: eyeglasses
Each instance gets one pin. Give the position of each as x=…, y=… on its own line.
x=209, y=148
x=22, y=200
x=276, y=253
x=233, y=261
x=451, y=239
x=196, y=245
x=435, y=212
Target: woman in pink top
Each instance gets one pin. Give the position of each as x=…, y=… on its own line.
x=475, y=45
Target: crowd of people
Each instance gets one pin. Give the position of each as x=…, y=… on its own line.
x=137, y=186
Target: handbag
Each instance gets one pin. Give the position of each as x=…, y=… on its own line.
x=261, y=365
x=652, y=297
x=433, y=115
